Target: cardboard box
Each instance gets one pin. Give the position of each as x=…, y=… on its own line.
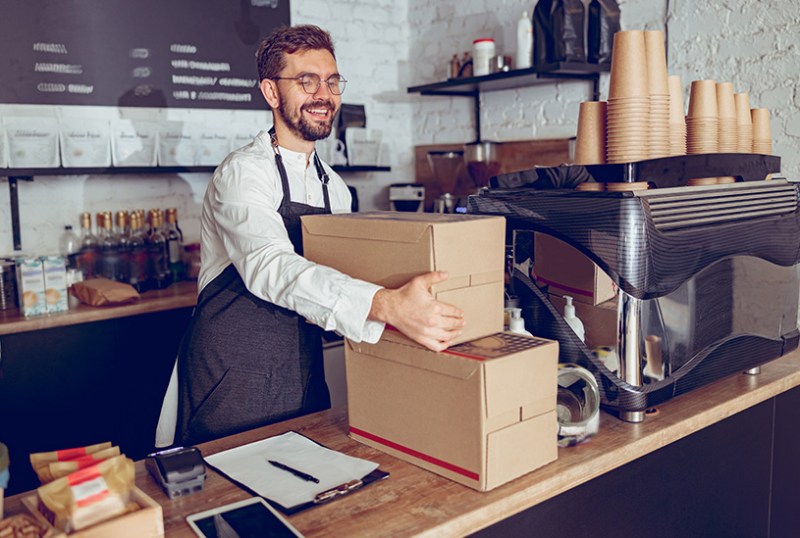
x=30, y=286
x=599, y=321
x=567, y=271
x=389, y=248
x=146, y=522
x=55, y=284
x=480, y=413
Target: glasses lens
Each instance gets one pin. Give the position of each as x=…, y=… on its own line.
x=336, y=84
x=310, y=83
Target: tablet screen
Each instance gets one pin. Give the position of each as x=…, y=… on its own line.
x=253, y=520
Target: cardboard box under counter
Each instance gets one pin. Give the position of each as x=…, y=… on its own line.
x=481, y=413
x=567, y=271
x=599, y=321
x=389, y=248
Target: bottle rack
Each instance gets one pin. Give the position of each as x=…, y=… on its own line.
x=15, y=175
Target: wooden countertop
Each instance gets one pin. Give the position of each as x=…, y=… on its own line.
x=415, y=502
x=178, y=295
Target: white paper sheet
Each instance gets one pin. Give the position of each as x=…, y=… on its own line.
x=248, y=465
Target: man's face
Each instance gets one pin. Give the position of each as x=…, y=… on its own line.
x=308, y=116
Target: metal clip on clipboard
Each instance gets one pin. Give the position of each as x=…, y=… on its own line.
x=344, y=489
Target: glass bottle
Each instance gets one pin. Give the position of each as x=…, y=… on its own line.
x=137, y=273
x=157, y=253
x=110, y=262
x=174, y=245
x=88, y=256
x=122, y=238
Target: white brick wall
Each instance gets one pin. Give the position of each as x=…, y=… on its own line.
x=385, y=46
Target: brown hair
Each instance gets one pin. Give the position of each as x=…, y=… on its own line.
x=288, y=40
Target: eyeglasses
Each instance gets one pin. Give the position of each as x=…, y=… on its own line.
x=311, y=83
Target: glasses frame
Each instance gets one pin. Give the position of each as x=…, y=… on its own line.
x=327, y=81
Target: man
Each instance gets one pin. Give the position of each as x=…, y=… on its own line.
x=250, y=357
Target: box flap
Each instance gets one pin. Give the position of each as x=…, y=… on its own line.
x=486, y=240
x=382, y=227
x=446, y=363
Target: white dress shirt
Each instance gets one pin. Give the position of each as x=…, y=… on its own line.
x=240, y=224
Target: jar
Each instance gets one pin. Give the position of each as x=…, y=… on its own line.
x=482, y=54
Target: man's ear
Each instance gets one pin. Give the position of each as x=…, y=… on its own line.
x=269, y=89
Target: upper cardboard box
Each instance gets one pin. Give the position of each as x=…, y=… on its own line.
x=389, y=248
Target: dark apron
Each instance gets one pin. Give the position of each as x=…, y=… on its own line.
x=244, y=361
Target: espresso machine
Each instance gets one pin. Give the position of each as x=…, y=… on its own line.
x=707, y=276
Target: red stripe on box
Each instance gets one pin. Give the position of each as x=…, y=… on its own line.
x=411, y=452
x=70, y=453
x=565, y=288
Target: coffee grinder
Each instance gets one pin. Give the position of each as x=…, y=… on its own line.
x=482, y=162
x=445, y=165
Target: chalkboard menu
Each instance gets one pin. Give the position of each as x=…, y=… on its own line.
x=140, y=53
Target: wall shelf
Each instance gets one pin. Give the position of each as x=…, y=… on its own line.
x=518, y=78
x=15, y=175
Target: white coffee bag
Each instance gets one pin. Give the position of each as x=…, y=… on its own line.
x=133, y=143
x=85, y=142
x=32, y=142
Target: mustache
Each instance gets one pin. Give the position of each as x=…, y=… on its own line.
x=319, y=103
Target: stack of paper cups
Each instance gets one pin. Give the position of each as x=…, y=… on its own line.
x=726, y=107
x=744, y=123
x=762, y=134
x=702, y=123
x=728, y=141
x=628, y=112
x=658, y=91
x=590, y=143
x=677, y=117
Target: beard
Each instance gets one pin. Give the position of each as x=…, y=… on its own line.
x=307, y=130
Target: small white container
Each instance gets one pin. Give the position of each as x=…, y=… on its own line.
x=482, y=53
x=524, y=42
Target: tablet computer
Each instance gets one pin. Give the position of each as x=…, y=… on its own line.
x=251, y=518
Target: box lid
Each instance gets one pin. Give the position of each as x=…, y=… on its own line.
x=510, y=379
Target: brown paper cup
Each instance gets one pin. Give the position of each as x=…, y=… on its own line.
x=676, y=109
x=656, y=62
x=761, y=127
x=628, y=66
x=742, y=102
x=703, y=99
x=726, y=106
x=590, y=144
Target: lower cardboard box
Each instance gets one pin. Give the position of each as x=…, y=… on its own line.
x=146, y=522
x=481, y=413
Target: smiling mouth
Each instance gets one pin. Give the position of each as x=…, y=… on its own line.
x=318, y=111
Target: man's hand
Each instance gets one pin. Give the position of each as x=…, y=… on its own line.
x=414, y=312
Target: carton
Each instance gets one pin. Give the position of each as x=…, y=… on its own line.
x=30, y=286
x=567, y=271
x=146, y=522
x=389, y=248
x=480, y=413
x=599, y=321
x=55, y=284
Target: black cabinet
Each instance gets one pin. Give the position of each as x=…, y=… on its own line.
x=86, y=383
x=735, y=478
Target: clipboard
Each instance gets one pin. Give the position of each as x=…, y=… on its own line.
x=255, y=456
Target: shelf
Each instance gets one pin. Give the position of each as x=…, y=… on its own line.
x=116, y=170
x=506, y=80
x=518, y=78
x=342, y=168
x=61, y=171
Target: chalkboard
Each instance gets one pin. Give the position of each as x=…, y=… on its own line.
x=140, y=53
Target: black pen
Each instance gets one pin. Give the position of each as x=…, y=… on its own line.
x=298, y=474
